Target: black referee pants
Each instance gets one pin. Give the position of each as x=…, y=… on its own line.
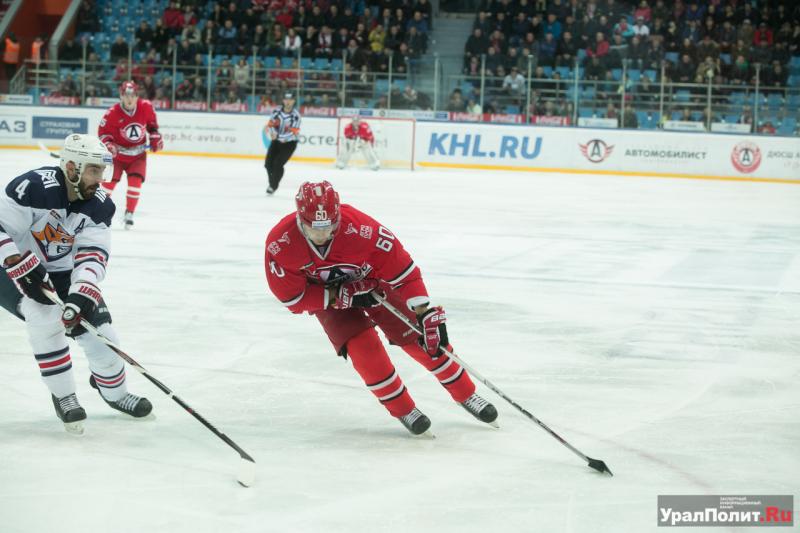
x=277, y=156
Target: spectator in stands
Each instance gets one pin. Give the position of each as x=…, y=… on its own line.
x=473, y=107
x=726, y=36
x=186, y=53
x=67, y=87
x=161, y=37
x=456, y=103
x=147, y=89
x=547, y=50
x=595, y=71
x=767, y=128
x=637, y=53
x=292, y=43
x=376, y=39
x=70, y=51
x=173, y=19
x=630, y=120
x=741, y=73
x=643, y=11
x=763, y=34
x=514, y=85
x=143, y=37
x=186, y=90
x=477, y=45
x=617, y=51
x=474, y=67
x=226, y=38
x=241, y=75
x=654, y=56
x=493, y=60
x=762, y=53
x=324, y=43
x=685, y=70
x=552, y=26
x=611, y=112
x=599, y=48
x=646, y=91
x=519, y=28
x=672, y=38
x=354, y=55
x=419, y=23
x=424, y=7
x=707, y=48
x=191, y=34
x=640, y=29
x=775, y=77
x=170, y=51
x=745, y=32
x=119, y=49
x=623, y=29
x=567, y=50
x=417, y=42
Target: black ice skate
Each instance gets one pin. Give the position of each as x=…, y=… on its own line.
x=481, y=409
x=270, y=190
x=130, y=404
x=70, y=412
x=128, y=220
x=416, y=422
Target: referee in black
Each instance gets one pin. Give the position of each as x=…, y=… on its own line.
x=283, y=128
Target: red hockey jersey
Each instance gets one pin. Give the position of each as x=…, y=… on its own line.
x=363, y=132
x=128, y=130
x=299, y=275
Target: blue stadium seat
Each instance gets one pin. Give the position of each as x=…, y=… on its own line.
x=681, y=95
x=585, y=112
x=671, y=56
x=634, y=74
x=381, y=86
x=564, y=72
x=306, y=62
x=616, y=74
x=725, y=58
x=336, y=64
x=511, y=110
x=588, y=92
x=794, y=81
x=788, y=126
x=651, y=74
x=548, y=71
x=399, y=84
x=774, y=101
x=321, y=64
x=732, y=119
x=269, y=62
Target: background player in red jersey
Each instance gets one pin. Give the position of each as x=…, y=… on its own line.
x=358, y=137
x=327, y=259
x=125, y=129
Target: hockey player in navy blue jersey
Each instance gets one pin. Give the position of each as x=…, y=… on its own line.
x=54, y=235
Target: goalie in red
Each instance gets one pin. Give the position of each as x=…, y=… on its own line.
x=358, y=138
x=125, y=129
x=327, y=260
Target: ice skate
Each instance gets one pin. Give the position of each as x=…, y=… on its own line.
x=70, y=412
x=128, y=220
x=270, y=190
x=130, y=404
x=481, y=409
x=417, y=423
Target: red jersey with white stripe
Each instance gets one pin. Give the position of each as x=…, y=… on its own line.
x=362, y=132
x=128, y=130
x=300, y=273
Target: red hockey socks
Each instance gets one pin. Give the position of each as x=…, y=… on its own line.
x=450, y=374
x=373, y=365
x=134, y=189
x=108, y=186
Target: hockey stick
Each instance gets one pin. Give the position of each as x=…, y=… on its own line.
x=597, y=464
x=46, y=150
x=246, y=475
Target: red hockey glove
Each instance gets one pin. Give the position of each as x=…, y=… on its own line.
x=434, y=331
x=356, y=294
x=156, y=142
x=112, y=148
x=30, y=277
x=81, y=302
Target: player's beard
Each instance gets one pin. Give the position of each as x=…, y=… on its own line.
x=87, y=191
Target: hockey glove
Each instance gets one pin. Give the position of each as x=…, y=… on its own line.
x=81, y=302
x=356, y=294
x=31, y=277
x=112, y=148
x=434, y=331
x=156, y=142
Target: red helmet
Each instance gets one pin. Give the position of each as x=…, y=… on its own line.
x=129, y=87
x=318, y=204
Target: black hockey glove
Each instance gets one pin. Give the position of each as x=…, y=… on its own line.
x=30, y=276
x=81, y=302
x=434, y=331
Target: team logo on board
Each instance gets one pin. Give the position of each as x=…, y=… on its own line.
x=596, y=150
x=746, y=157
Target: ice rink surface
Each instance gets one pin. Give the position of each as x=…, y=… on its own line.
x=653, y=323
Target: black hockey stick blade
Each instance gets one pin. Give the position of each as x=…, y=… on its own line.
x=600, y=466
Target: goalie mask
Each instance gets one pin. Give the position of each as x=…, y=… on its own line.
x=317, y=210
x=83, y=150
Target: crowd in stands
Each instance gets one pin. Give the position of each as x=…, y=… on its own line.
x=721, y=42
x=367, y=37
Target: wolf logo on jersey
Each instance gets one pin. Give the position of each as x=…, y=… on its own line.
x=53, y=239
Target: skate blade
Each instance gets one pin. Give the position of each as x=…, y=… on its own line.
x=427, y=434
x=74, y=428
x=494, y=424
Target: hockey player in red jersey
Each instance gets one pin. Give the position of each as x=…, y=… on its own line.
x=358, y=137
x=326, y=259
x=125, y=129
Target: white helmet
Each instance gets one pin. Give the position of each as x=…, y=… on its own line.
x=83, y=150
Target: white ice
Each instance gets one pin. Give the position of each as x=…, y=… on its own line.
x=653, y=323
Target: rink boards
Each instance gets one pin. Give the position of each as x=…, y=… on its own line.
x=451, y=145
